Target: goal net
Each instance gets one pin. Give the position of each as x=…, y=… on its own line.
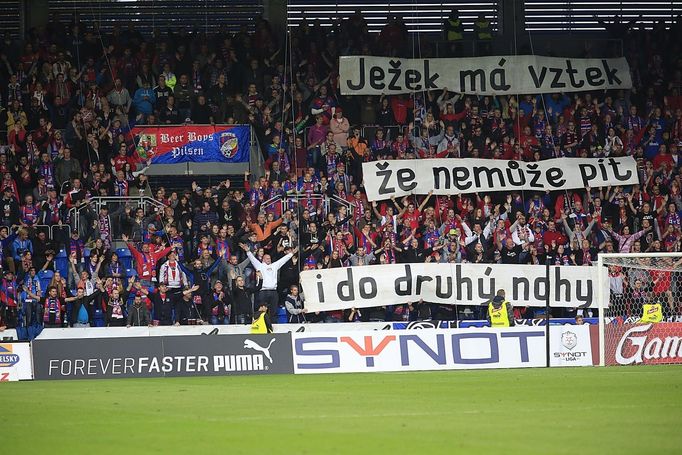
x=640, y=301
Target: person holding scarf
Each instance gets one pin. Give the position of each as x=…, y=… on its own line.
x=93, y=265
x=51, y=208
x=172, y=275
x=31, y=296
x=220, y=306
x=116, y=305
x=53, y=308
x=115, y=268
x=145, y=261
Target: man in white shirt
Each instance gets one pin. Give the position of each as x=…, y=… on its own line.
x=172, y=275
x=269, y=270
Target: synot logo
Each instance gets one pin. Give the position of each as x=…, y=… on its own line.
x=369, y=351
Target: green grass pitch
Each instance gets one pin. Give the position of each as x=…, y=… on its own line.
x=573, y=411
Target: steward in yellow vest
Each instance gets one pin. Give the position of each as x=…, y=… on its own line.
x=500, y=312
x=261, y=321
x=482, y=29
x=652, y=313
x=453, y=28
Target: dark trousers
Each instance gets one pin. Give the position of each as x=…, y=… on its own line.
x=269, y=297
x=10, y=317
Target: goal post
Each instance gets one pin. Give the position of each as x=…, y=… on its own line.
x=639, y=297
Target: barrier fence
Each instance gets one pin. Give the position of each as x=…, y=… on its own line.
x=292, y=201
x=324, y=348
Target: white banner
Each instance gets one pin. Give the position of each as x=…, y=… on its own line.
x=429, y=349
x=452, y=349
x=383, y=179
x=15, y=362
x=453, y=284
x=526, y=74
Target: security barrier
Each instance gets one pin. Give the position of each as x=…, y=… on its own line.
x=451, y=349
x=298, y=348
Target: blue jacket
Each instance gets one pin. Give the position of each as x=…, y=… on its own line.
x=144, y=105
x=21, y=246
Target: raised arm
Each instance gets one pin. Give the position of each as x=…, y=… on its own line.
x=426, y=199
x=256, y=263
x=590, y=226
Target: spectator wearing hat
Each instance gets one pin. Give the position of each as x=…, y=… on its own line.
x=151, y=232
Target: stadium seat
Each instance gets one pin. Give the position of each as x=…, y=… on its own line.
x=45, y=276
x=61, y=262
x=125, y=257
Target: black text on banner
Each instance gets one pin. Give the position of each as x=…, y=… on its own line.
x=453, y=284
x=529, y=74
x=383, y=179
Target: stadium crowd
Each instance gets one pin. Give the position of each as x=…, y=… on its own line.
x=69, y=96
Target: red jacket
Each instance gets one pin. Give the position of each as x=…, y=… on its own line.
x=548, y=237
x=145, y=263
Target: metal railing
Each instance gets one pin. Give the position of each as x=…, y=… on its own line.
x=97, y=202
x=291, y=201
x=50, y=229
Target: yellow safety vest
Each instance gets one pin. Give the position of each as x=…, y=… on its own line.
x=652, y=313
x=498, y=316
x=483, y=30
x=454, y=32
x=259, y=325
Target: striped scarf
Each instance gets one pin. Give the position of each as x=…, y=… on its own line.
x=52, y=308
x=105, y=229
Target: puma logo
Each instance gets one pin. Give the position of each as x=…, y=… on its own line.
x=250, y=344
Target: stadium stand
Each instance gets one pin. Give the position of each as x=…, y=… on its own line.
x=70, y=89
